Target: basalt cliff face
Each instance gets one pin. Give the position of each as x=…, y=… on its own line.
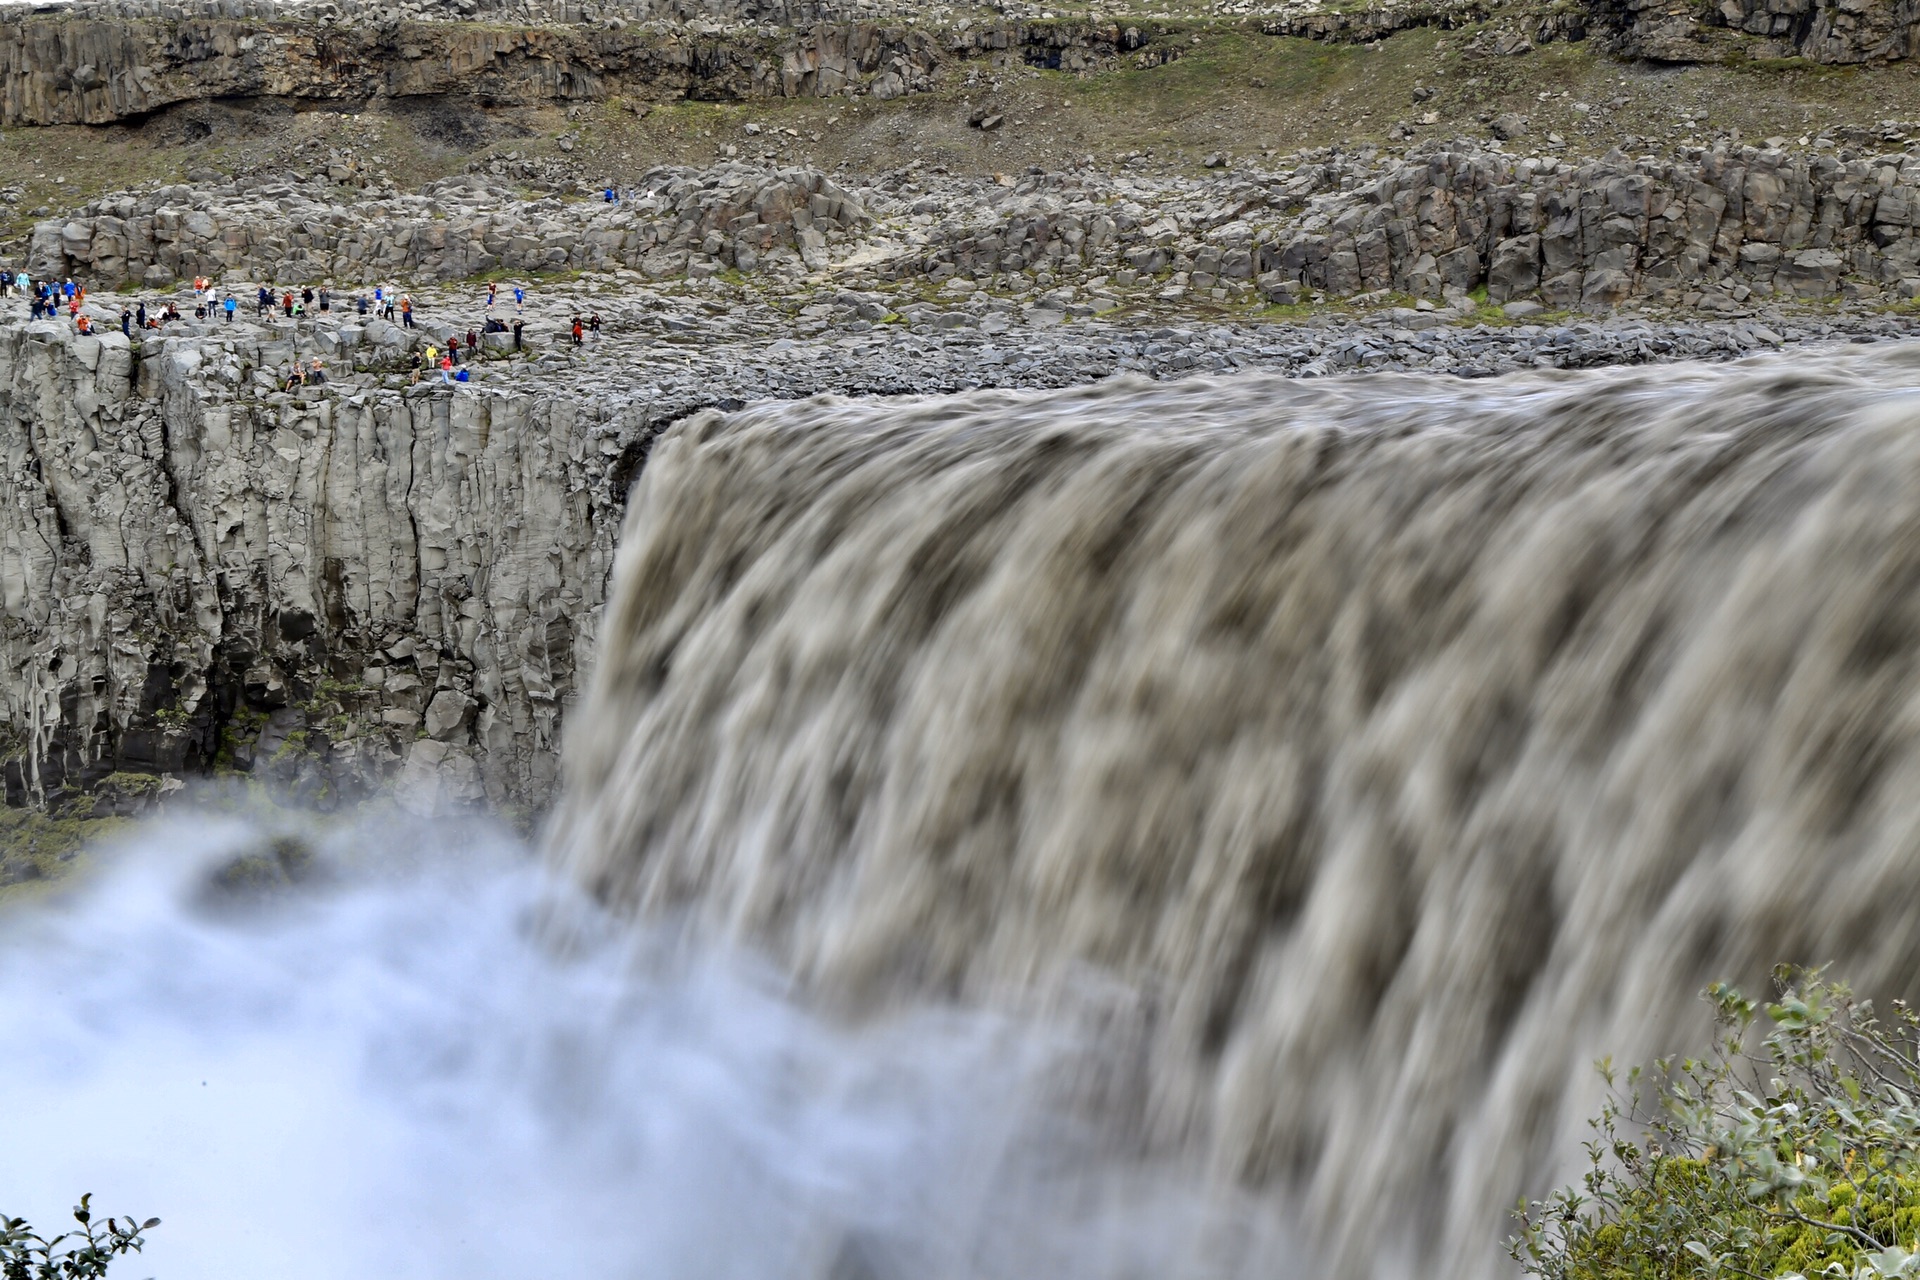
x=340, y=592
x=107, y=62
x=1711, y=229
x=64, y=69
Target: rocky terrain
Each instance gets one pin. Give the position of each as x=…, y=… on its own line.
x=1711, y=229
x=388, y=582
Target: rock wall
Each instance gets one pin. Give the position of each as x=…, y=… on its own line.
x=1725, y=223
x=279, y=232
x=1714, y=229
x=1833, y=32
x=63, y=69
x=337, y=592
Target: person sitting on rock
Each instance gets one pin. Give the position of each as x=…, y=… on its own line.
x=296, y=376
x=612, y=198
x=461, y=376
x=81, y=322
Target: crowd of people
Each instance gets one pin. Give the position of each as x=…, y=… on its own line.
x=50, y=299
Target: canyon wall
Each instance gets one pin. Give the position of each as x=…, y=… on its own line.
x=65, y=69
x=107, y=62
x=198, y=570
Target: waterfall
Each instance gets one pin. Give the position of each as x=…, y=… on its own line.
x=1360, y=759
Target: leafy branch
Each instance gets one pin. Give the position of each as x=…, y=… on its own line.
x=84, y=1254
x=1794, y=1156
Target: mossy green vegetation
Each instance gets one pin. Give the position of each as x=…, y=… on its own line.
x=1798, y=1157
x=38, y=848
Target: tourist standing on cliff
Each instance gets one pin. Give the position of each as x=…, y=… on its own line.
x=326, y=299
x=493, y=293
x=576, y=331
x=519, y=299
x=233, y=305
x=518, y=326
x=406, y=311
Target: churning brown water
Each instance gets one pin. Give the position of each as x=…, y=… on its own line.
x=1394, y=747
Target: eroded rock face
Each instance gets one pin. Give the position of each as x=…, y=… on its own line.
x=1834, y=32
x=736, y=214
x=67, y=69
x=336, y=591
x=1715, y=227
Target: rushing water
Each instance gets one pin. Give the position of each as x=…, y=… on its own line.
x=1403, y=744
x=1169, y=832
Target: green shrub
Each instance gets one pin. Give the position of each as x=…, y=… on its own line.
x=1799, y=1157
x=74, y=1255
